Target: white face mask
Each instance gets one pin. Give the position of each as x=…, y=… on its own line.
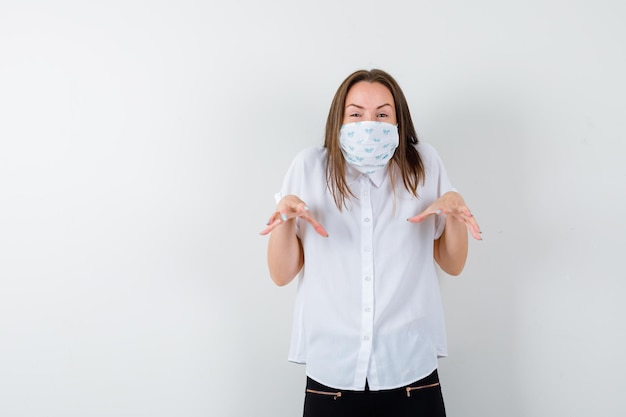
x=368, y=146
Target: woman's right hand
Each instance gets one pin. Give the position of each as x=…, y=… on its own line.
x=290, y=207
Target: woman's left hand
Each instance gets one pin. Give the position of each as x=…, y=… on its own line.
x=451, y=204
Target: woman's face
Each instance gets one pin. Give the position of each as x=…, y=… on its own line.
x=367, y=101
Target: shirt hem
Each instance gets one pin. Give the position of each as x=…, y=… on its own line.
x=378, y=388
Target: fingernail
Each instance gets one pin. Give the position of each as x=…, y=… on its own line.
x=306, y=208
x=438, y=211
x=284, y=217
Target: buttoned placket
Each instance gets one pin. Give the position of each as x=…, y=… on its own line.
x=367, y=285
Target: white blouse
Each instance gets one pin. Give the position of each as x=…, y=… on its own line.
x=368, y=303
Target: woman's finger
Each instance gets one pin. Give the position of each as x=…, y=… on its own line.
x=300, y=209
x=424, y=214
x=316, y=225
x=274, y=222
x=470, y=221
x=472, y=224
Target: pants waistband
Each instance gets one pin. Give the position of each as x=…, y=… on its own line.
x=433, y=378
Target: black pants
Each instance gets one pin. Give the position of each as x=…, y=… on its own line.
x=419, y=399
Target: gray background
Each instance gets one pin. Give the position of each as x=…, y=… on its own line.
x=141, y=144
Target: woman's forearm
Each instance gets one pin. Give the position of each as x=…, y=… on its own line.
x=284, y=253
x=451, y=248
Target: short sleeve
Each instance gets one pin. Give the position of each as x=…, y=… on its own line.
x=305, y=164
x=436, y=171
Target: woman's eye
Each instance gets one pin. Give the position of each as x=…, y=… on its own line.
x=354, y=115
x=382, y=115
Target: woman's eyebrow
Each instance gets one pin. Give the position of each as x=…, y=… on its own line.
x=361, y=107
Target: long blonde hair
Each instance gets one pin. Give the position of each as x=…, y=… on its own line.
x=406, y=158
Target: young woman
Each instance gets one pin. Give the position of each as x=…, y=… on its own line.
x=362, y=220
